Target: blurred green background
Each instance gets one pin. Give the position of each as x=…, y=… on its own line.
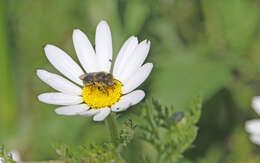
x=207, y=47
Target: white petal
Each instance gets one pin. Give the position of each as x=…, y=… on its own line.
x=99, y=114
x=59, y=83
x=138, y=78
x=64, y=63
x=90, y=112
x=253, y=126
x=256, y=104
x=255, y=139
x=124, y=55
x=72, y=109
x=15, y=155
x=60, y=99
x=102, y=114
x=128, y=100
x=103, y=43
x=85, y=51
x=135, y=61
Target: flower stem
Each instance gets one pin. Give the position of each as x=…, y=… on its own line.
x=110, y=122
x=7, y=99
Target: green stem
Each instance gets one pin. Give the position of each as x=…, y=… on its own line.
x=110, y=122
x=7, y=100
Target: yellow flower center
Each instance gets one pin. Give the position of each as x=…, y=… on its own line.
x=97, y=97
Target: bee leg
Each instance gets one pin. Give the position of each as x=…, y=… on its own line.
x=106, y=91
x=113, y=87
x=92, y=87
x=98, y=86
x=100, y=89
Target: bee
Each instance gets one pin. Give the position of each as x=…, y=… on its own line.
x=102, y=80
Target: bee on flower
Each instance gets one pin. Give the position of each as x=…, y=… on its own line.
x=95, y=90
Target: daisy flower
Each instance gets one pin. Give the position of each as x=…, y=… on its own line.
x=97, y=99
x=253, y=126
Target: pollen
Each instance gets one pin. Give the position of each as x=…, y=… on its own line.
x=96, y=98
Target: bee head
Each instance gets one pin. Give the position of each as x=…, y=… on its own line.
x=88, y=79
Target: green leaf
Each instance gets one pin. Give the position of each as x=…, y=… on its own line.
x=170, y=136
